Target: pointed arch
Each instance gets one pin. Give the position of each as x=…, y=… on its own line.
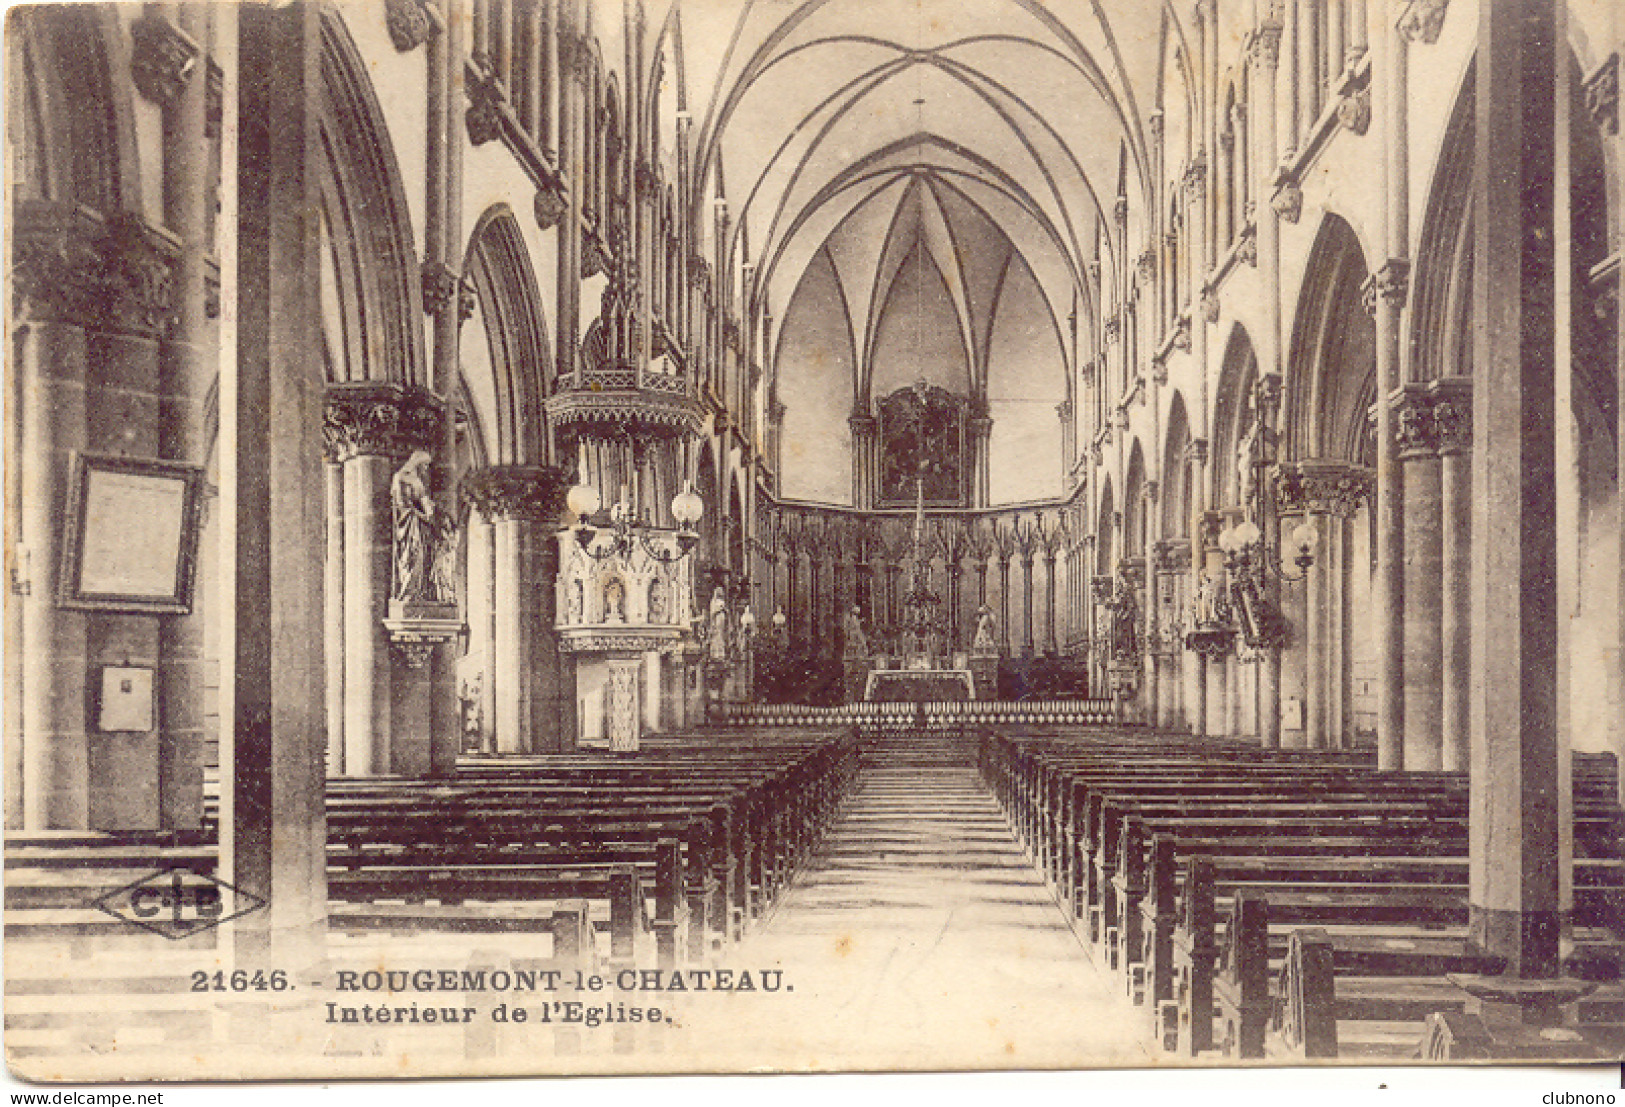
x=1331, y=364
x=367, y=232
x=510, y=311
x=1232, y=407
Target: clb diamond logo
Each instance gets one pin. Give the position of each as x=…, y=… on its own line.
x=178, y=903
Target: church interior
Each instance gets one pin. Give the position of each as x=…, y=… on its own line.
x=664, y=486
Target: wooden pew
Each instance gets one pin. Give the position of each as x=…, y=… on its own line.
x=707, y=833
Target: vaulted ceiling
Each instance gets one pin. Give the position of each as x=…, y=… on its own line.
x=975, y=136
x=1036, y=112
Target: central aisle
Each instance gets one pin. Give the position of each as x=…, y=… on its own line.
x=920, y=937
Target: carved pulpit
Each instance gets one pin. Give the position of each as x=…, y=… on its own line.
x=624, y=617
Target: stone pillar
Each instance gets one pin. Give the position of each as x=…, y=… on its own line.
x=1004, y=603
x=1417, y=446
x=333, y=613
x=1518, y=856
x=272, y=811
x=1453, y=420
x=482, y=616
x=552, y=672
x=981, y=436
x=367, y=543
x=1052, y=644
x=510, y=675
x=1027, y=603
x=51, y=360
x=1206, y=564
x=188, y=361
x=1324, y=493
x=573, y=79
x=369, y=429
x=1320, y=597
x=1219, y=693
x=1266, y=53
x=1386, y=294
x=532, y=687
x=865, y=460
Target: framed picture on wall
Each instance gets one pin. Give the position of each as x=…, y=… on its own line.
x=131, y=535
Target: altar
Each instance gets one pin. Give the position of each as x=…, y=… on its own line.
x=919, y=686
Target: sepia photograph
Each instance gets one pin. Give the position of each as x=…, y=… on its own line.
x=652, y=537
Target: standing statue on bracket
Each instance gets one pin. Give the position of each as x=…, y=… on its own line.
x=717, y=637
x=982, y=642
x=425, y=539
x=856, y=643
x=1248, y=454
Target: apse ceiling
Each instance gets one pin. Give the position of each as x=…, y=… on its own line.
x=1030, y=115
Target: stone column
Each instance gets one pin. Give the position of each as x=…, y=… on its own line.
x=482, y=616
x=1205, y=563
x=1417, y=446
x=333, y=613
x=272, y=812
x=1027, y=603
x=1266, y=51
x=1052, y=644
x=1004, y=602
x=1518, y=856
x=1386, y=293
x=188, y=362
x=50, y=653
x=369, y=429
x=981, y=436
x=532, y=686
x=1221, y=692
x=1323, y=492
x=865, y=465
x=574, y=77
x=1453, y=420
x=1320, y=597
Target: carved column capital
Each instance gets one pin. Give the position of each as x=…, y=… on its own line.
x=1264, y=44
x=1391, y=281
x=1196, y=176
x=442, y=287
x=72, y=265
x=162, y=57
x=534, y=492
x=1453, y=415
x=1322, y=488
x=374, y=418
x=1416, y=432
